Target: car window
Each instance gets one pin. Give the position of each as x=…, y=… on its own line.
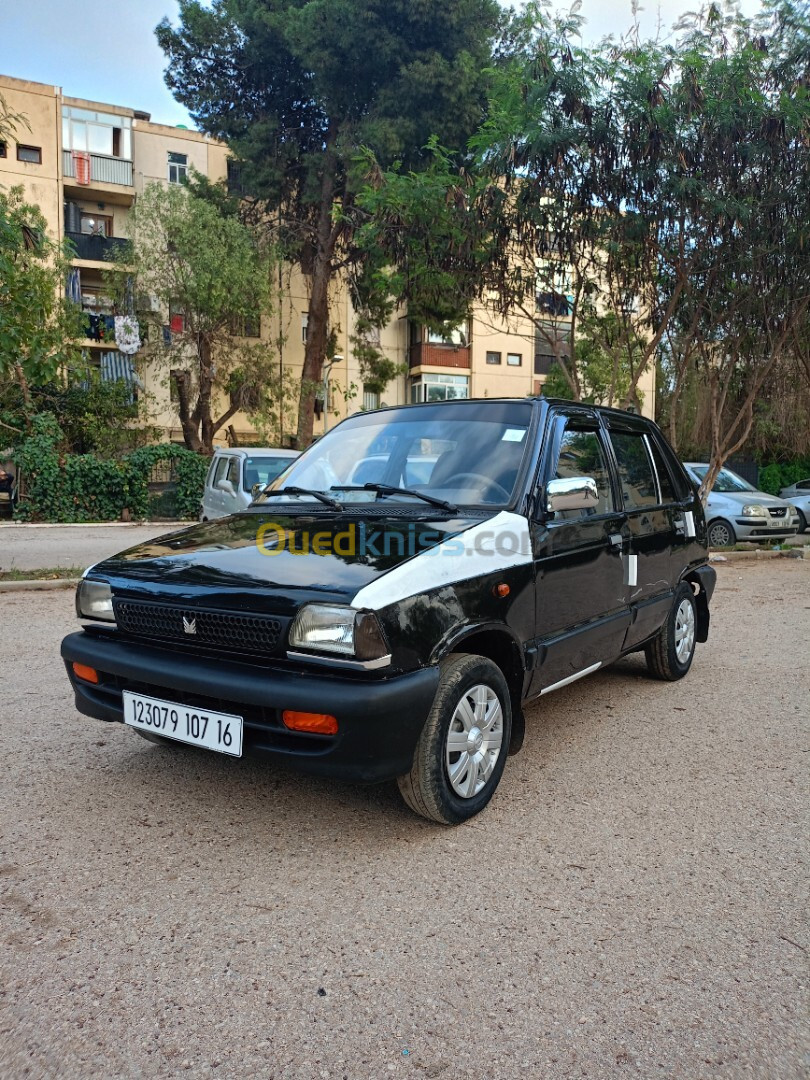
x=581, y=454
x=232, y=473
x=803, y=485
x=636, y=475
x=662, y=470
x=262, y=470
x=726, y=482
x=219, y=472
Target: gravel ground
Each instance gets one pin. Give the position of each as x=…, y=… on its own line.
x=631, y=904
x=32, y=547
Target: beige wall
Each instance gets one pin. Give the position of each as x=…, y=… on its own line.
x=152, y=143
x=40, y=104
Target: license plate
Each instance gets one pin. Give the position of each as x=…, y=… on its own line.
x=199, y=727
x=776, y=523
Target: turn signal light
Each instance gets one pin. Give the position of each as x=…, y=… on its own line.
x=82, y=671
x=321, y=723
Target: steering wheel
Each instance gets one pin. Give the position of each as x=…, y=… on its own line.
x=479, y=481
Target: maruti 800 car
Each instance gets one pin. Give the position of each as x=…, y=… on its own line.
x=378, y=631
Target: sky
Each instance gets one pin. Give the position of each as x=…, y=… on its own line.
x=105, y=50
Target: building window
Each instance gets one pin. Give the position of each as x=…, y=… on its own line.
x=493, y=358
x=3, y=149
x=248, y=326
x=304, y=326
x=514, y=359
x=177, y=319
x=234, y=177
x=96, y=225
x=542, y=363
x=439, y=388
x=178, y=168
x=30, y=153
x=458, y=336
x=94, y=132
x=371, y=399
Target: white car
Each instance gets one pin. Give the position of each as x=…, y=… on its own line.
x=237, y=475
x=737, y=511
x=798, y=495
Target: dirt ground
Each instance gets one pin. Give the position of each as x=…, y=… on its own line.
x=632, y=904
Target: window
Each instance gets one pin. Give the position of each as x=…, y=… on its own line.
x=219, y=475
x=234, y=177
x=102, y=133
x=514, y=359
x=665, y=486
x=304, y=326
x=542, y=363
x=458, y=336
x=439, y=388
x=96, y=225
x=30, y=153
x=177, y=319
x=493, y=358
x=581, y=454
x=3, y=149
x=178, y=167
x=232, y=475
x=263, y=470
x=371, y=399
x=248, y=326
x=635, y=469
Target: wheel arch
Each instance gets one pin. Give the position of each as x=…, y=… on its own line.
x=701, y=580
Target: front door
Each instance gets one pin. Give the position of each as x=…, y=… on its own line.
x=580, y=560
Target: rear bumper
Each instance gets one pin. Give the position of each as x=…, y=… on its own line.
x=379, y=722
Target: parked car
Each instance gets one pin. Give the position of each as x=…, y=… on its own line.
x=377, y=633
x=737, y=511
x=798, y=495
x=237, y=475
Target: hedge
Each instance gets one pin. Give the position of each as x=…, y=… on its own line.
x=81, y=487
x=774, y=477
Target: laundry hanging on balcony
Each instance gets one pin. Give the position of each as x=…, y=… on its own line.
x=81, y=166
x=127, y=334
x=73, y=286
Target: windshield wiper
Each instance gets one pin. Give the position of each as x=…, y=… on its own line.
x=319, y=495
x=389, y=489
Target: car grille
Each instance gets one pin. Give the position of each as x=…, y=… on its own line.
x=226, y=629
x=777, y=511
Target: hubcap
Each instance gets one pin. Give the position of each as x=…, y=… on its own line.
x=720, y=536
x=474, y=741
x=684, y=631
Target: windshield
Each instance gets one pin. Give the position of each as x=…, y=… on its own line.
x=726, y=480
x=468, y=454
x=263, y=470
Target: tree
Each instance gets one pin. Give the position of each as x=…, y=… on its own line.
x=298, y=88
x=203, y=273
x=37, y=324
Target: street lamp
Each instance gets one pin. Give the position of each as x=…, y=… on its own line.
x=327, y=371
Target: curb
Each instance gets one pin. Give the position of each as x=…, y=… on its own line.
x=39, y=584
x=741, y=556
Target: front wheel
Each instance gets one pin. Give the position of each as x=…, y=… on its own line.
x=670, y=653
x=721, y=534
x=461, y=753
x=802, y=521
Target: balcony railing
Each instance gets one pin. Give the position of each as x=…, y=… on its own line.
x=425, y=354
x=95, y=248
x=103, y=169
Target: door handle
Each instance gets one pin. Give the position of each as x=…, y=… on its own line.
x=616, y=539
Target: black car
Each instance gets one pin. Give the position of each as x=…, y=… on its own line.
x=379, y=630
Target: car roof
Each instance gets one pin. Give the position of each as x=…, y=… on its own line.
x=249, y=451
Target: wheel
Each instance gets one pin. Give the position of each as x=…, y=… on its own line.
x=802, y=520
x=669, y=654
x=721, y=534
x=481, y=481
x=462, y=750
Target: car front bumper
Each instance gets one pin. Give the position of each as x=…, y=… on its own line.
x=761, y=529
x=379, y=721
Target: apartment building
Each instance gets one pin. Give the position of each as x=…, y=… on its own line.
x=84, y=164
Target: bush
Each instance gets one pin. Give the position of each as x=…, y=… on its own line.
x=81, y=487
x=774, y=477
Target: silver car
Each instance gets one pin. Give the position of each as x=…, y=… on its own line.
x=798, y=495
x=235, y=474
x=737, y=511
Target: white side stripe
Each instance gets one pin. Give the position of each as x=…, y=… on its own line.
x=571, y=678
x=496, y=544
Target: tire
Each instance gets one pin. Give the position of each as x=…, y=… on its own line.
x=721, y=533
x=438, y=784
x=802, y=520
x=670, y=653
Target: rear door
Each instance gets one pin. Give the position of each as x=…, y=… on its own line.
x=652, y=514
x=581, y=604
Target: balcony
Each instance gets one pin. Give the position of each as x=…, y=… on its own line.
x=95, y=248
x=427, y=354
x=111, y=175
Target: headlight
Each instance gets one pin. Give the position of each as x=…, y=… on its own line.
x=330, y=628
x=94, y=600
x=755, y=511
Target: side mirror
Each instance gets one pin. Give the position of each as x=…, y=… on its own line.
x=571, y=493
x=226, y=486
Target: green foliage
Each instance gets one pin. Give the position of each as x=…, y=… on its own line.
x=65, y=487
x=775, y=476
x=37, y=324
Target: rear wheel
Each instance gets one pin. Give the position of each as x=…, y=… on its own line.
x=721, y=534
x=461, y=753
x=670, y=653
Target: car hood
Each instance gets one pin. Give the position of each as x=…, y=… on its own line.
x=275, y=563
x=746, y=498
